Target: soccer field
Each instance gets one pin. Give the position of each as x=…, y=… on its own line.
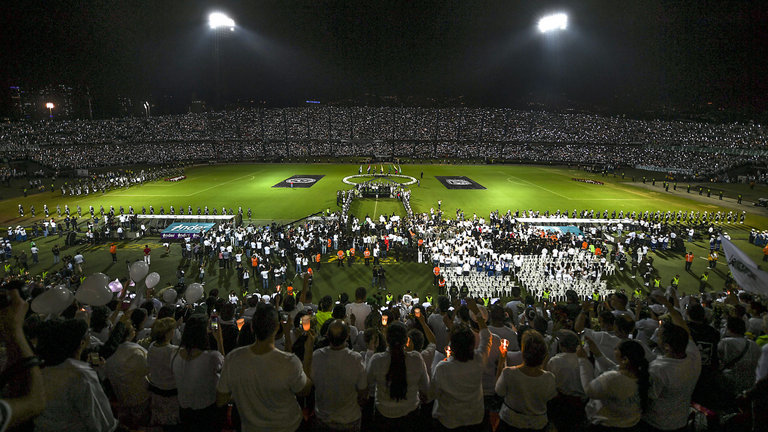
x=506, y=187
x=251, y=186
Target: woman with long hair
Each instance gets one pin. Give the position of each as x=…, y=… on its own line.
x=618, y=397
x=401, y=380
x=196, y=369
x=162, y=385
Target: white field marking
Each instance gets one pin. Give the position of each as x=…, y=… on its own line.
x=509, y=179
x=542, y=188
x=375, y=206
x=222, y=184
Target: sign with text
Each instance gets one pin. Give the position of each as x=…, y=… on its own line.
x=185, y=229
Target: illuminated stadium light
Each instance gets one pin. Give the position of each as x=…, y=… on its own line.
x=218, y=20
x=554, y=22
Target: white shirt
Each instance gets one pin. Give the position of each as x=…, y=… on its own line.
x=672, y=384
x=266, y=401
x=337, y=376
x=457, y=388
x=525, y=398
x=741, y=375
x=127, y=369
x=565, y=366
x=417, y=378
x=196, y=379
x=361, y=311
x=75, y=400
x=159, y=362
x=614, y=401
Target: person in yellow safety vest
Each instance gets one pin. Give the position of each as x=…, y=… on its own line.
x=595, y=296
x=545, y=294
x=703, y=281
x=676, y=281
x=389, y=298
x=486, y=301
x=436, y=272
x=441, y=285
x=428, y=299
x=638, y=293
x=349, y=258
x=367, y=256
x=657, y=282
x=340, y=256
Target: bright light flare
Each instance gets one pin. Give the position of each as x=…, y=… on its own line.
x=219, y=20
x=50, y=105
x=554, y=22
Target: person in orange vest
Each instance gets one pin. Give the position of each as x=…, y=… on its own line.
x=113, y=251
x=340, y=256
x=598, y=251
x=421, y=242
x=441, y=285
x=351, y=256
x=765, y=253
x=436, y=271
x=688, y=260
x=318, y=259
x=254, y=264
x=584, y=245
x=367, y=255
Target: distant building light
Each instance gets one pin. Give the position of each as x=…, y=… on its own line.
x=312, y=102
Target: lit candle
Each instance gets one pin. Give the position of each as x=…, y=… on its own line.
x=447, y=352
x=384, y=319
x=504, y=344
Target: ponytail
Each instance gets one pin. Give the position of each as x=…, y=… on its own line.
x=396, y=375
x=635, y=353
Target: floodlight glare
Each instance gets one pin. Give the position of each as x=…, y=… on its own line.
x=553, y=22
x=219, y=20
x=49, y=105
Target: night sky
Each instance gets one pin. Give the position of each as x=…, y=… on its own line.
x=619, y=55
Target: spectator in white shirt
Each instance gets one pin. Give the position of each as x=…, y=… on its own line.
x=196, y=371
x=401, y=380
x=266, y=401
x=340, y=381
x=738, y=356
x=456, y=384
x=162, y=385
x=75, y=399
x=527, y=388
x=567, y=409
x=126, y=369
x=619, y=396
x=360, y=309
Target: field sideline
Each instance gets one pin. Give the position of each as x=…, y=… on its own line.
x=250, y=185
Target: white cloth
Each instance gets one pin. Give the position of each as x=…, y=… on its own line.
x=264, y=388
x=416, y=376
x=436, y=324
x=196, y=379
x=525, y=398
x=741, y=375
x=672, y=384
x=75, y=400
x=565, y=366
x=613, y=397
x=361, y=311
x=337, y=376
x=457, y=388
x=127, y=371
x=159, y=362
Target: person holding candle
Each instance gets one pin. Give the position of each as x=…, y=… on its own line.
x=456, y=383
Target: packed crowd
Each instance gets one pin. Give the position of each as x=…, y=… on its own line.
x=280, y=362
x=317, y=132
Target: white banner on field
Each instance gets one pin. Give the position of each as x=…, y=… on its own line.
x=745, y=272
x=181, y=217
x=572, y=221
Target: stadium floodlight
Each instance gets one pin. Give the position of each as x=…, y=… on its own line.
x=50, y=107
x=219, y=20
x=553, y=22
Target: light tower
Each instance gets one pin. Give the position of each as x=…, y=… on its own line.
x=50, y=107
x=553, y=23
x=219, y=23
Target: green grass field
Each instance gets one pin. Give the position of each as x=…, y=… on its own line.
x=250, y=185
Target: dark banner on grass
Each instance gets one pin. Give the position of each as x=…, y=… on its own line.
x=459, y=182
x=300, y=181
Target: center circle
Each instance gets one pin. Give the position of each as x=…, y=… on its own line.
x=411, y=180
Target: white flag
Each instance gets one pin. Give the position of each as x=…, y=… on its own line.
x=745, y=272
